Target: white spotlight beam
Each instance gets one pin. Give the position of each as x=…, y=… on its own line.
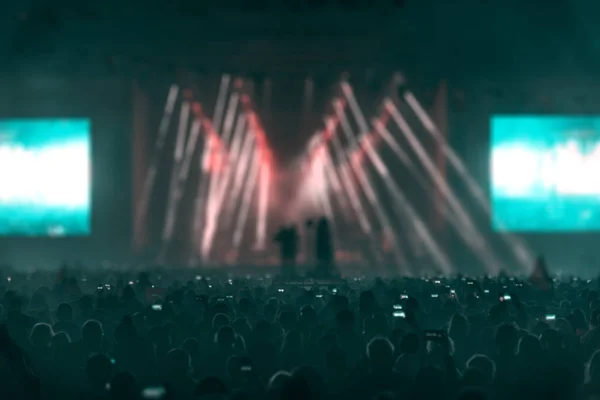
x=206, y=190
x=333, y=181
x=265, y=161
x=318, y=144
x=320, y=185
x=216, y=182
x=387, y=136
x=230, y=118
x=202, y=193
x=403, y=157
x=330, y=173
x=341, y=181
x=190, y=148
x=232, y=161
x=220, y=105
x=175, y=168
x=372, y=198
x=163, y=130
x=240, y=172
x=181, y=184
x=381, y=129
x=246, y=200
x=405, y=208
x=467, y=229
x=402, y=204
x=519, y=249
x=351, y=189
x=263, y=205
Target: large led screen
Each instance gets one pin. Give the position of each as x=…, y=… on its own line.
x=45, y=177
x=545, y=173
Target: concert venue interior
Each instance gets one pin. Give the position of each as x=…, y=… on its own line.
x=429, y=152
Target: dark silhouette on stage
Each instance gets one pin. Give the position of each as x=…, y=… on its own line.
x=324, y=255
x=324, y=249
x=287, y=238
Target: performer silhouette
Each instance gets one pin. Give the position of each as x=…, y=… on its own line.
x=287, y=238
x=324, y=251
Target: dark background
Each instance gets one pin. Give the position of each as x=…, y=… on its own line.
x=70, y=58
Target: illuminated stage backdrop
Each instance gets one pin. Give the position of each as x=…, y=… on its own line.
x=45, y=177
x=545, y=173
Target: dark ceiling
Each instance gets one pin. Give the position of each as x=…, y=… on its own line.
x=473, y=38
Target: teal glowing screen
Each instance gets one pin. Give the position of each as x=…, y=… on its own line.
x=545, y=173
x=45, y=177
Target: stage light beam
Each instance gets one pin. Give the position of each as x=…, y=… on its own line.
x=372, y=198
x=221, y=99
x=163, y=131
x=467, y=229
x=229, y=118
x=175, y=168
x=241, y=171
x=521, y=252
x=349, y=185
x=263, y=205
x=246, y=200
x=402, y=204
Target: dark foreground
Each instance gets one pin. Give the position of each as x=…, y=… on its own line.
x=168, y=336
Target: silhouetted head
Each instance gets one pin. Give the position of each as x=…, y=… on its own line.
x=507, y=339
x=323, y=223
x=219, y=320
x=128, y=293
x=59, y=344
x=262, y=329
x=530, y=348
x=551, y=340
x=225, y=337
x=345, y=320
x=593, y=368
x=278, y=380
x=40, y=335
x=380, y=353
x=485, y=365
x=367, y=301
x=178, y=363
x=92, y=333
x=458, y=326
x=125, y=331
x=64, y=312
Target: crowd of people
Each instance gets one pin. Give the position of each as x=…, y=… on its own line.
x=83, y=334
